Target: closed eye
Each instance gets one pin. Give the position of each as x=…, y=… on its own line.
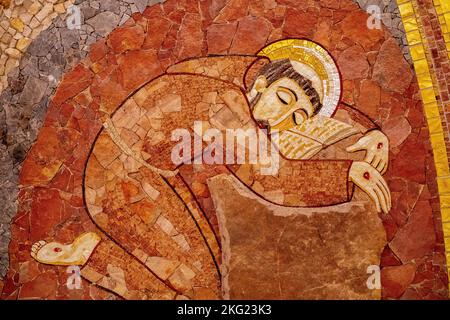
x=285, y=96
x=300, y=116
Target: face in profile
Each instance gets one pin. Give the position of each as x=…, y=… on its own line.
x=281, y=100
x=281, y=97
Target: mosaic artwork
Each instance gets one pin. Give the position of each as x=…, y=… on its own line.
x=224, y=149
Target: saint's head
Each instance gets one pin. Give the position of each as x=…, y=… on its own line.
x=282, y=95
x=296, y=80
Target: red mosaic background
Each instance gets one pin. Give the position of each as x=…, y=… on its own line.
x=377, y=81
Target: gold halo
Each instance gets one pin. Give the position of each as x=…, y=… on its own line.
x=317, y=58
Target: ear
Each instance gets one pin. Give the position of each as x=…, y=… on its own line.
x=260, y=84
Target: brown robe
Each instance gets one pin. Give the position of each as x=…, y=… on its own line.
x=169, y=223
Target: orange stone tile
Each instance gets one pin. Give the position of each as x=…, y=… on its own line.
x=74, y=82
x=51, y=200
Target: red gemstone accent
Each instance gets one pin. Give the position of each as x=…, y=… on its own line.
x=366, y=175
x=57, y=249
x=380, y=145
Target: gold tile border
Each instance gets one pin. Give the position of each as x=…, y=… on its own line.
x=418, y=48
x=443, y=11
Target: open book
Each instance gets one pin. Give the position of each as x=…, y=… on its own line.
x=306, y=140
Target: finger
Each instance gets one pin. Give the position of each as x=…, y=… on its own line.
x=382, y=199
x=356, y=147
x=374, y=197
x=388, y=199
x=369, y=157
x=385, y=169
x=385, y=186
x=380, y=166
x=385, y=194
x=375, y=161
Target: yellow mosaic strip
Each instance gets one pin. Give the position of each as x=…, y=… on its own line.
x=443, y=10
x=417, y=45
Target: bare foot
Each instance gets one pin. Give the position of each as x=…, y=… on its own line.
x=75, y=254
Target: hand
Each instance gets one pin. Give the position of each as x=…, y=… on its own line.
x=372, y=183
x=376, y=145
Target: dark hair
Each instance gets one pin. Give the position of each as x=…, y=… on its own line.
x=276, y=70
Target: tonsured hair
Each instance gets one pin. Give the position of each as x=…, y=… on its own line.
x=276, y=70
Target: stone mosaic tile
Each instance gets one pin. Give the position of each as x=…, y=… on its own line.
x=442, y=9
x=390, y=17
x=430, y=61
x=21, y=23
x=24, y=103
x=108, y=114
x=292, y=244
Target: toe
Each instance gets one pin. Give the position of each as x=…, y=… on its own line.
x=42, y=242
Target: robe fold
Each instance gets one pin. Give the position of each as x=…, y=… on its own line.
x=169, y=223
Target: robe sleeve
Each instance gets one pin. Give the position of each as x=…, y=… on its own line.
x=299, y=183
x=302, y=183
